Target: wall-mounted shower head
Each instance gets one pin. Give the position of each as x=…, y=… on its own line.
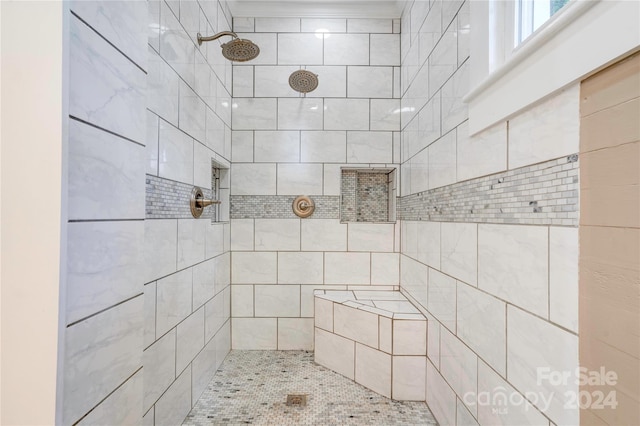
x=238, y=50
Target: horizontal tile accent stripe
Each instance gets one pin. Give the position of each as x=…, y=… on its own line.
x=168, y=199
x=541, y=194
x=279, y=207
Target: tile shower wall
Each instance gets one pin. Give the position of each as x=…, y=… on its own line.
x=494, y=270
x=285, y=144
x=187, y=331
x=103, y=374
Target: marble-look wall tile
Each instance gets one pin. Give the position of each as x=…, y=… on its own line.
x=323, y=235
x=243, y=82
x=191, y=241
x=332, y=25
x=108, y=90
x=123, y=406
x=215, y=243
x=369, y=147
x=385, y=49
x=513, y=265
x=440, y=398
x=243, y=24
x=385, y=268
x=408, y=382
x=253, y=179
x=369, y=25
x=563, y=277
x=355, y=324
x=459, y=366
x=443, y=60
x=254, y=267
x=192, y=113
x=159, y=362
x=160, y=248
x=242, y=301
x=551, y=126
x=335, y=353
x=481, y=324
x=176, y=46
x=152, y=143
x=149, y=314
x=162, y=88
x=203, y=282
x=300, y=114
x=441, y=297
x=215, y=131
x=419, y=172
x=377, y=237
x=202, y=157
x=105, y=265
x=409, y=337
x=428, y=243
x=272, y=81
x=346, y=114
x=323, y=146
x=296, y=179
x=203, y=368
x=277, y=301
x=295, y=334
x=103, y=350
x=175, y=154
x=254, y=333
x=501, y=411
x=223, y=342
x=254, y=114
x=175, y=404
x=347, y=268
x=300, y=268
x=276, y=146
x=174, y=298
x=481, y=154
x=413, y=279
x=459, y=251
x=277, y=25
x=242, y=237
x=216, y=313
x=296, y=49
x=346, y=49
x=373, y=370
x=442, y=161
x=454, y=110
x=370, y=82
x=189, y=339
x=277, y=234
x=534, y=347
x=242, y=146
x=385, y=114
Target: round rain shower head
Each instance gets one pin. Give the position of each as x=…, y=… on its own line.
x=303, y=81
x=240, y=50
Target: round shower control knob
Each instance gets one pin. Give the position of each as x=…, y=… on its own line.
x=303, y=206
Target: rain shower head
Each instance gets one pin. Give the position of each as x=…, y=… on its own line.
x=237, y=50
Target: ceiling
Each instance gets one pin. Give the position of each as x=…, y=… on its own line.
x=316, y=8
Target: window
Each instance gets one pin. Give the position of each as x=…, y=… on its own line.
x=531, y=15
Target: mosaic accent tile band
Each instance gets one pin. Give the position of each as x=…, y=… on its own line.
x=279, y=207
x=541, y=194
x=168, y=199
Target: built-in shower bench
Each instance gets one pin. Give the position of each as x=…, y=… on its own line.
x=376, y=338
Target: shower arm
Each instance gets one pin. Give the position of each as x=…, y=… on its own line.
x=216, y=36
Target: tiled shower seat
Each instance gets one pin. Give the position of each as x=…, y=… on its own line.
x=376, y=338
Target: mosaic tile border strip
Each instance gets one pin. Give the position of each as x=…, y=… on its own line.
x=168, y=199
x=541, y=194
x=279, y=207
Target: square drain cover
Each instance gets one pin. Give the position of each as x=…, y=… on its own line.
x=297, y=400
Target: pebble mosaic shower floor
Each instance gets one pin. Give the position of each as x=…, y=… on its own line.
x=251, y=387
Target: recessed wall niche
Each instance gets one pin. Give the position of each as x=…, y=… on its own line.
x=220, y=191
x=368, y=195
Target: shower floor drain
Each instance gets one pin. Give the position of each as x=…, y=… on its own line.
x=296, y=400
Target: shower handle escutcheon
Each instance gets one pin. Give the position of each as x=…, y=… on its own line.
x=198, y=202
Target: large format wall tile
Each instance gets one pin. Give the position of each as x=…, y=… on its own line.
x=105, y=265
x=254, y=267
x=159, y=362
x=105, y=180
x=513, y=265
x=108, y=90
x=254, y=333
x=459, y=251
x=175, y=404
x=160, y=248
x=104, y=351
x=123, y=406
x=174, y=299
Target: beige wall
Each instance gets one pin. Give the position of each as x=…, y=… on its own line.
x=610, y=236
x=32, y=148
